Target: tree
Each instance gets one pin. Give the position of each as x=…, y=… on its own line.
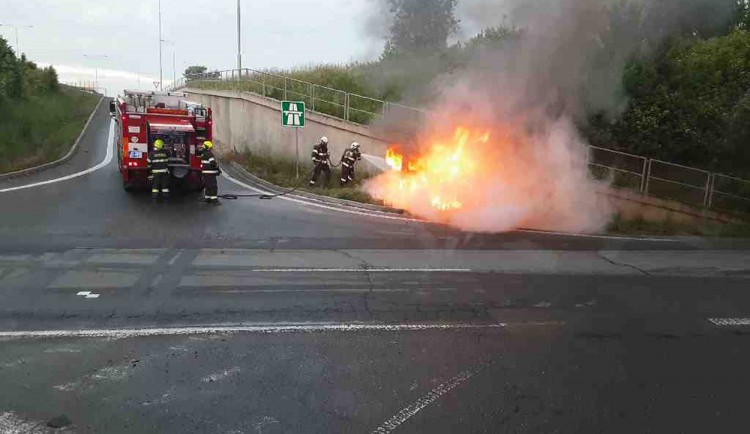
x=195, y=69
x=689, y=104
x=420, y=26
x=50, y=79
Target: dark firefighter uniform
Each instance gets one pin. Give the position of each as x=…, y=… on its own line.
x=320, y=157
x=348, y=161
x=158, y=160
x=210, y=170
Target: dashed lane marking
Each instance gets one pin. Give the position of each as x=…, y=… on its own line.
x=87, y=294
x=730, y=321
x=174, y=258
x=260, y=329
x=409, y=411
x=107, y=160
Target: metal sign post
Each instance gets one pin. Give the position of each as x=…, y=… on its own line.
x=293, y=116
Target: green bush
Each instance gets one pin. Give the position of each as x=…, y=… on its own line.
x=38, y=129
x=689, y=105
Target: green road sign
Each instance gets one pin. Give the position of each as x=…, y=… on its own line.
x=293, y=114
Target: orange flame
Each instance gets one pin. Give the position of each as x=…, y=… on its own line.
x=395, y=161
x=439, y=172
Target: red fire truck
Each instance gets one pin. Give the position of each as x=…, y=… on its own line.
x=142, y=117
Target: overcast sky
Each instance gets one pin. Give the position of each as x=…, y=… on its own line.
x=275, y=34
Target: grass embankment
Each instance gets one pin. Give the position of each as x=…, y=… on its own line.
x=41, y=129
x=281, y=172
x=640, y=226
x=333, y=83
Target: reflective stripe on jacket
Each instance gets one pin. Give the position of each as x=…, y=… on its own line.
x=209, y=166
x=158, y=161
x=320, y=154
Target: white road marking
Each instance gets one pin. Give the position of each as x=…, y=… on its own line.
x=359, y=270
x=221, y=375
x=264, y=329
x=604, y=237
x=10, y=423
x=174, y=258
x=325, y=290
x=730, y=321
x=409, y=411
x=330, y=208
x=107, y=160
x=84, y=293
x=88, y=294
x=406, y=219
x=92, y=296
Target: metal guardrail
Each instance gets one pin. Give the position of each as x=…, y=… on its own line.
x=321, y=99
x=666, y=180
x=648, y=176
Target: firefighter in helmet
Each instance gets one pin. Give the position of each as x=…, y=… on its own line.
x=158, y=163
x=348, y=161
x=320, y=157
x=210, y=170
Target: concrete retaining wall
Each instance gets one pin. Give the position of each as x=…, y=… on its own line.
x=247, y=121
x=633, y=205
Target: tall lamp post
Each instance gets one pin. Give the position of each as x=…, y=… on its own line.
x=174, y=63
x=15, y=27
x=239, y=39
x=96, y=66
x=160, y=40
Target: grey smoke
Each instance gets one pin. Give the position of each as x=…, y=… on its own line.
x=529, y=93
x=572, y=54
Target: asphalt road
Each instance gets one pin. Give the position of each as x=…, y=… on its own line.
x=275, y=316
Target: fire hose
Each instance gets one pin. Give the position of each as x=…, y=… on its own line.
x=230, y=196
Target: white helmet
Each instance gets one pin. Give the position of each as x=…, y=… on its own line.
x=324, y=140
x=355, y=145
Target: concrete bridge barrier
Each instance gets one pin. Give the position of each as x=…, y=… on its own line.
x=246, y=121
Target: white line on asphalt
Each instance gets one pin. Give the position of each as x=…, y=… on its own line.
x=262, y=329
x=604, y=237
x=372, y=214
x=360, y=270
x=285, y=291
x=107, y=160
x=406, y=219
x=10, y=422
x=409, y=411
x=84, y=293
x=730, y=321
x=174, y=258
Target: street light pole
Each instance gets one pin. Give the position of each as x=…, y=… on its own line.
x=160, y=40
x=239, y=40
x=96, y=66
x=15, y=28
x=174, y=62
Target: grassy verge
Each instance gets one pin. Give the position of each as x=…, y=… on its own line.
x=281, y=172
x=640, y=226
x=40, y=129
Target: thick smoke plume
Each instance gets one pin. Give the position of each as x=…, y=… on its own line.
x=529, y=94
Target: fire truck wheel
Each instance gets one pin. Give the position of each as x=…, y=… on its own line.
x=127, y=187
